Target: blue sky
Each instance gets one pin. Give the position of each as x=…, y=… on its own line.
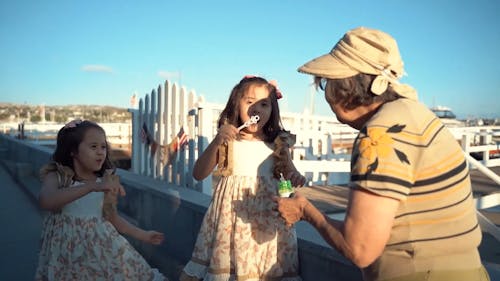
x=100, y=52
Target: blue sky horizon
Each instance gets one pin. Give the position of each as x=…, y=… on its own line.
x=102, y=52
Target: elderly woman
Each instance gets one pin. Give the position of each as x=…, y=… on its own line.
x=410, y=214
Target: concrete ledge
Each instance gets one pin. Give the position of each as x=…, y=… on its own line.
x=21, y=173
x=177, y=212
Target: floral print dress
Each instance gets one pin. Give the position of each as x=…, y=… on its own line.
x=79, y=244
x=242, y=237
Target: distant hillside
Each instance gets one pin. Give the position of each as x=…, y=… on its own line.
x=10, y=112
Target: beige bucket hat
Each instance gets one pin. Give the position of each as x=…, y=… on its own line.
x=364, y=50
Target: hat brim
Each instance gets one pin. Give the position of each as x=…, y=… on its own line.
x=328, y=66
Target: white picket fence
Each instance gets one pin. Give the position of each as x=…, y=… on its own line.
x=169, y=108
x=166, y=109
x=119, y=134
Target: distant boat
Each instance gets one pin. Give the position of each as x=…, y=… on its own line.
x=448, y=118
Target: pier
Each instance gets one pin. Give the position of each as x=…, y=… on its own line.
x=176, y=211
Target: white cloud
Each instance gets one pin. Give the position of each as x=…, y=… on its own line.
x=169, y=74
x=97, y=68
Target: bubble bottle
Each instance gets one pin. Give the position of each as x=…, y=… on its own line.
x=284, y=187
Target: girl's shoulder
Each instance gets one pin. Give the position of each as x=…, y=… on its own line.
x=64, y=174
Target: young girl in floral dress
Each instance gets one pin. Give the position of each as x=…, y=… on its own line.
x=242, y=237
x=80, y=235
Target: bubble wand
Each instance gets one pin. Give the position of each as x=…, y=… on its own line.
x=253, y=120
x=225, y=163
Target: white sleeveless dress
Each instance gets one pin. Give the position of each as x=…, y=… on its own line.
x=242, y=237
x=79, y=244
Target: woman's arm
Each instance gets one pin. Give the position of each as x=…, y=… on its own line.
x=124, y=227
x=361, y=237
x=205, y=164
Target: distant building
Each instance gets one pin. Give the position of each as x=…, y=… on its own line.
x=133, y=101
x=42, y=113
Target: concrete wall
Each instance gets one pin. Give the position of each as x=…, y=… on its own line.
x=177, y=212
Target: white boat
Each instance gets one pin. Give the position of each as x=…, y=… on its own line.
x=448, y=118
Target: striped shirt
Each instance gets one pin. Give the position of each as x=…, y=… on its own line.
x=405, y=152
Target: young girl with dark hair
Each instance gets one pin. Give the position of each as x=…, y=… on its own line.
x=80, y=235
x=242, y=237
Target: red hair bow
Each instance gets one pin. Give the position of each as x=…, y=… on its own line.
x=279, y=95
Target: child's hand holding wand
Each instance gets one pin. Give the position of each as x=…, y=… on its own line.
x=228, y=132
x=225, y=134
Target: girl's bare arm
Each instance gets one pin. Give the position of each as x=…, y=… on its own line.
x=53, y=198
x=205, y=164
x=124, y=227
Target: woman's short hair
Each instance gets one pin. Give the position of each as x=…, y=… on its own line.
x=354, y=91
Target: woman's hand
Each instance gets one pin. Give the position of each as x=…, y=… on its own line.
x=153, y=237
x=296, y=178
x=291, y=209
x=225, y=134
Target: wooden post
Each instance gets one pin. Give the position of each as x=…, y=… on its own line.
x=135, y=135
x=175, y=128
x=145, y=162
x=204, y=131
x=192, y=111
x=167, y=171
x=182, y=124
x=159, y=132
x=152, y=130
x=141, y=159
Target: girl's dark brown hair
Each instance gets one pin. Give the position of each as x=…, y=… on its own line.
x=68, y=140
x=273, y=130
x=354, y=91
x=230, y=114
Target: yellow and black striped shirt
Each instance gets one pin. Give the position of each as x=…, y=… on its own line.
x=405, y=152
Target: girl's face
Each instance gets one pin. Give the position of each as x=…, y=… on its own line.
x=255, y=101
x=91, y=154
